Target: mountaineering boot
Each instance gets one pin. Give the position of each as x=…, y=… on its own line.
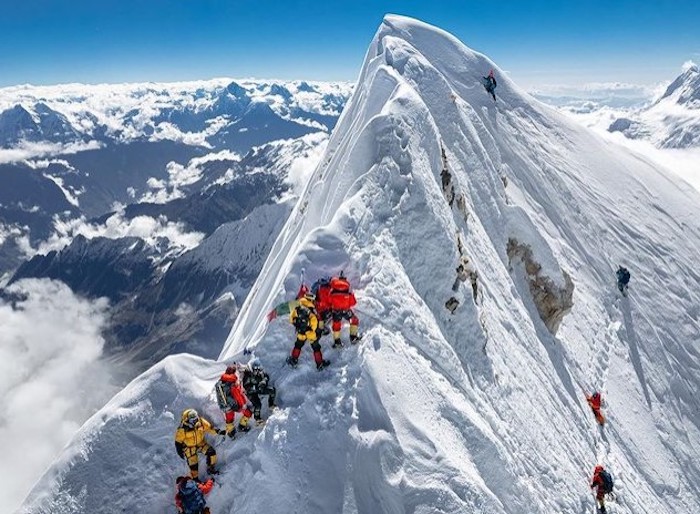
x=323, y=364
x=231, y=433
x=260, y=422
x=354, y=339
x=212, y=470
x=337, y=343
x=292, y=361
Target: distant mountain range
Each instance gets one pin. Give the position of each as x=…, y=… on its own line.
x=164, y=198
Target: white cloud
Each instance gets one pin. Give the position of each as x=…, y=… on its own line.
x=37, y=150
x=7, y=231
x=151, y=230
x=597, y=89
x=592, y=96
x=179, y=176
x=51, y=378
x=42, y=164
x=304, y=163
x=688, y=65
x=70, y=194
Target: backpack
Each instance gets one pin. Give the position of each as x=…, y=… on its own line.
x=607, y=481
x=321, y=282
x=223, y=395
x=623, y=275
x=191, y=498
x=302, y=323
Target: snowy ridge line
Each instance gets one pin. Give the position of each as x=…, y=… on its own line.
x=600, y=273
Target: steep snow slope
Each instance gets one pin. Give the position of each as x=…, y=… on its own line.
x=476, y=411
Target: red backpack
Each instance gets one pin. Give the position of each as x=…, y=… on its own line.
x=341, y=297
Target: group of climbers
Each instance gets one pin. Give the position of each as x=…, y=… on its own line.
x=330, y=299
x=239, y=390
x=235, y=395
x=602, y=481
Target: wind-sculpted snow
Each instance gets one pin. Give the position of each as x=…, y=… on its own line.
x=473, y=409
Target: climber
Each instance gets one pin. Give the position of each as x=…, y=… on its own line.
x=190, y=441
x=342, y=300
x=623, y=278
x=595, y=401
x=322, y=290
x=603, y=483
x=256, y=382
x=232, y=399
x=305, y=323
x=189, y=495
x=490, y=84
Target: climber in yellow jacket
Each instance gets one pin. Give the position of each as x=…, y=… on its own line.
x=303, y=318
x=190, y=441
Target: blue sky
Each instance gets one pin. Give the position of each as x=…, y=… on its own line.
x=538, y=42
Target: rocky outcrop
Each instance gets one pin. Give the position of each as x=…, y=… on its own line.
x=553, y=302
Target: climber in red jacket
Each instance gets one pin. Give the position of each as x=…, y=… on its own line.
x=342, y=300
x=595, y=400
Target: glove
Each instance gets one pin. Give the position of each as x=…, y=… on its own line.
x=180, y=450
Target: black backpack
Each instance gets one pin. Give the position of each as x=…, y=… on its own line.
x=607, y=481
x=302, y=323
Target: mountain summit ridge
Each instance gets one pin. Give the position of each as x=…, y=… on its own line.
x=473, y=409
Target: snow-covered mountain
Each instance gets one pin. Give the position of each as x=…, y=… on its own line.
x=41, y=123
x=197, y=113
x=673, y=121
x=97, y=146
x=473, y=408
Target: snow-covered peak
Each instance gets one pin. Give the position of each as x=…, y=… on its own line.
x=481, y=406
x=673, y=121
x=685, y=90
x=36, y=123
x=453, y=401
x=379, y=116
